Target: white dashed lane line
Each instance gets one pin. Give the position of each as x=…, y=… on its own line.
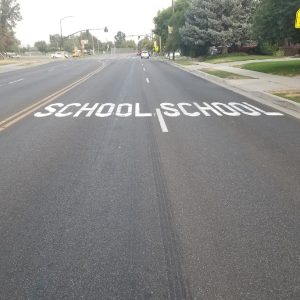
x=147, y=80
x=15, y=81
x=161, y=121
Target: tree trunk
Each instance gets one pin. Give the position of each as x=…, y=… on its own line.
x=224, y=50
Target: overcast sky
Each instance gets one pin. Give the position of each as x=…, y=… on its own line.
x=41, y=17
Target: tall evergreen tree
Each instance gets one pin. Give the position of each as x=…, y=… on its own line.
x=218, y=23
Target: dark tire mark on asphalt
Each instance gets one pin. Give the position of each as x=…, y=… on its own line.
x=178, y=283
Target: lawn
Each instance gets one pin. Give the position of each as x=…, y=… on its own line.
x=224, y=74
x=291, y=95
x=185, y=62
x=284, y=68
x=231, y=57
x=8, y=62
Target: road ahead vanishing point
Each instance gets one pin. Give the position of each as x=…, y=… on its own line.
x=123, y=178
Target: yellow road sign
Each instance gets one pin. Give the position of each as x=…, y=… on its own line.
x=297, y=22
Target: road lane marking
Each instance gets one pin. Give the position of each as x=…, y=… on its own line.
x=164, y=110
x=188, y=109
x=32, y=108
x=144, y=69
x=15, y=81
x=147, y=80
x=161, y=120
x=264, y=112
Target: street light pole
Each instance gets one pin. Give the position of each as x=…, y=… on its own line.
x=61, y=36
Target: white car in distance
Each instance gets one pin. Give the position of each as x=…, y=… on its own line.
x=59, y=54
x=145, y=54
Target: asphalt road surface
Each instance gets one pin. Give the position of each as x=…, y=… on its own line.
x=123, y=178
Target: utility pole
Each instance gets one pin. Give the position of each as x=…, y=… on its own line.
x=93, y=43
x=160, y=52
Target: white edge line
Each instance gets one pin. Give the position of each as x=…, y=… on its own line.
x=16, y=81
x=161, y=120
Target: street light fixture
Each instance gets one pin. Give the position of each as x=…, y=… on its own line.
x=61, y=37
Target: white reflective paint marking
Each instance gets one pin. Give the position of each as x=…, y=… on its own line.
x=144, y=69
x=121, y=112
x=226, y=109
x=100, y=113
x=138, y=112
x=193, y=110
x=185, y=112
x=264, y=112
x=147, y=80
x=161, y=120
x=15, y=81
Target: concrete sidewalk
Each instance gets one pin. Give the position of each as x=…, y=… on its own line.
x=260, y=88
x=261, y=82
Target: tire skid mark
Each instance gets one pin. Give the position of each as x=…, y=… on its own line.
x=178, y=283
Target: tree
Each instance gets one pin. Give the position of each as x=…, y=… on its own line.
x=54, y=42
x=161, y=22
x=130, y=44
x=146, y=44
x=41, y=46
x=274, y=21
x=166, y=19
x=177, y=21
x=9, y=16
x=219, y=23
x=120, y=39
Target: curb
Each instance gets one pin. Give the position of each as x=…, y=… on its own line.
x=284, y=105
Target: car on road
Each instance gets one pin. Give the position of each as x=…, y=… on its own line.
x=145, y=54
x=57, y=55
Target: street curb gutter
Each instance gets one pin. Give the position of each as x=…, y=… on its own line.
x=286, y=106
